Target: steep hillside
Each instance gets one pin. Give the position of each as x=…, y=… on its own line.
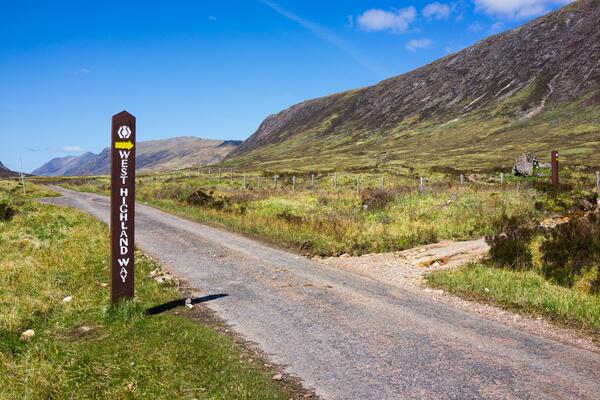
x=63, y=166
x=7, y=173
x=155, y=155
x=536, y=87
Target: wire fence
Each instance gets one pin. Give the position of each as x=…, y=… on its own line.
x=230, y=179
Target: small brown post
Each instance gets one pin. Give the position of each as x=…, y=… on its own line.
x=122, y=210
x=554, y=164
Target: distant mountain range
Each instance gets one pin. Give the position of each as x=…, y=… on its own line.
x=536, y=88
x=155, y=155
x=7, y=173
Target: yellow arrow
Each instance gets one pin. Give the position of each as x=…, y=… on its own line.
x=124, y=145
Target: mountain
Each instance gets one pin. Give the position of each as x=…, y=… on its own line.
x=7, y=173
x=64, y=166
x=155, y=155
x=536, y=88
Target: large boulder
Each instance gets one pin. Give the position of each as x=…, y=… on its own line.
x=525, y=164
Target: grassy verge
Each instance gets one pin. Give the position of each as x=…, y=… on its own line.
x=85, y=349
x=524, y=291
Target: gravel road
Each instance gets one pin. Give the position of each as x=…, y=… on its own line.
x=351, y=337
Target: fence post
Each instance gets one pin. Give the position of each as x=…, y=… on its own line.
x=275, y=181
x=22, y=176
x=244, y=180
x=382, y=184
x=358, y=184
x=462, y=179
x=502, y=178
x=312, y=181
x=335, y=180
x=421, y=184
x=294, y=183
x=554, y=164
x=231, y=175
x=219, y=174
x=598, y=182
x=258, y=182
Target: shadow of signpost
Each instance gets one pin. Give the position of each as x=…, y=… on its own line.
x=181, y=302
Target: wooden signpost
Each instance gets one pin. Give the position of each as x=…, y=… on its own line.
x=122, y=207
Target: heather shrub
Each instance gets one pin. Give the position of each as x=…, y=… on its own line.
x=7, y=209
x=571, y=250
x=511, y=248
x=375, y=199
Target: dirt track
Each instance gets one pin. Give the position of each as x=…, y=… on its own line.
x=350, y=336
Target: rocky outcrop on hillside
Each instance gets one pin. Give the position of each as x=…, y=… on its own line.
x=525, y=164
x=547, y=62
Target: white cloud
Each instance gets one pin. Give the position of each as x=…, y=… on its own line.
x=437, y=11
x=517, y=9
x=397, y=21
x=66, y=149
x=415, y=44
x=328, y=37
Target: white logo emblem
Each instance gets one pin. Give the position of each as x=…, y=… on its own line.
x=124, y=132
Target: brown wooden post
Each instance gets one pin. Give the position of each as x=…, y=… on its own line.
x=122, y=210
x=554, y=164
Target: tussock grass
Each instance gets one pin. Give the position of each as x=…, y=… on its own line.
x=327, y=221
x=524, y=291
x=47, y=253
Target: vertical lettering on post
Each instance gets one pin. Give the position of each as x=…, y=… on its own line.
x=122, y=210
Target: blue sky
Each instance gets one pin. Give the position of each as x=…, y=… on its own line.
x=213, y=69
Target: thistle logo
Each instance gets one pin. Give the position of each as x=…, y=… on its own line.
x=124, y=132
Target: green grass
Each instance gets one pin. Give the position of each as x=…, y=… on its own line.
x=327, y=221
x=524, y=291
x=47, y=253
